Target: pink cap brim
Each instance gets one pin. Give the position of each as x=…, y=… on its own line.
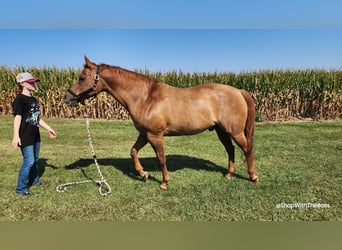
x=32, y=80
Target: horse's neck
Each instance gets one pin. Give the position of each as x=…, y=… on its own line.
x=130, y=93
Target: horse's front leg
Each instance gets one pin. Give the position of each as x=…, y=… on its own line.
x=141, y=142
x=157, y=143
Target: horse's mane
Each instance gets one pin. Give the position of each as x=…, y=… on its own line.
x=127, y=73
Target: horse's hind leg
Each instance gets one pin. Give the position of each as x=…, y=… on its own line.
x=241, y=140
x=141, y=142
x=227, y=143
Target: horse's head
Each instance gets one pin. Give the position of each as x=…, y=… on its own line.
x=86, y=86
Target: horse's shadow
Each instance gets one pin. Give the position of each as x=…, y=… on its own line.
x=174, y=163
x=42, y=164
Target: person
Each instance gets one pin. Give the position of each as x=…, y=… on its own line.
x=26, y=135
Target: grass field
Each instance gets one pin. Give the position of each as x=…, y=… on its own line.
x=297, y=163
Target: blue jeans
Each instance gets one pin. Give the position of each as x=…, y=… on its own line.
x=28, y=174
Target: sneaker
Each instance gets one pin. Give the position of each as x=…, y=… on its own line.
x=40, y=184
x=24, y=194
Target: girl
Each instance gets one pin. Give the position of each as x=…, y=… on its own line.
x=26, y=131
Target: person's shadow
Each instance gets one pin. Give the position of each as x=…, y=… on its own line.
x=42, y=164
x=174, y=163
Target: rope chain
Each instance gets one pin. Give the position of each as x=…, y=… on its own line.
x=103, y=184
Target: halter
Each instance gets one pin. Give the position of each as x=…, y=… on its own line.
x=79, y=96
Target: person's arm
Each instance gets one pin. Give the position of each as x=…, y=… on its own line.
x=16, y=138
x=43, y=124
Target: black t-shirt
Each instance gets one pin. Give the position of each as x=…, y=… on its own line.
x=28, y=108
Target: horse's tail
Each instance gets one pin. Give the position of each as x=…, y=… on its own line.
x=250, y=123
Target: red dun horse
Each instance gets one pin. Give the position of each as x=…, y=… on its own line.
x=159, y=110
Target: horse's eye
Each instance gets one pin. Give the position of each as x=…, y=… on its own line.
x=81, y=79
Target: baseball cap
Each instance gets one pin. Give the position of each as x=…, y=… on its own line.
x=26, y=77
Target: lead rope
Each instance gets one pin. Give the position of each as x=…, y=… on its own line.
x=103, y=184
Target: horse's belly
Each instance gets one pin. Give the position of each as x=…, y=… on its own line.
x=187, y=129
x=183, y=132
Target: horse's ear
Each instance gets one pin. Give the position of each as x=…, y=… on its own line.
x=88, y=62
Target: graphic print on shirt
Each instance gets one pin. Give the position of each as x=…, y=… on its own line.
x=33, y=117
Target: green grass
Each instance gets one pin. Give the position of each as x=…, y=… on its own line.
x=296, y=163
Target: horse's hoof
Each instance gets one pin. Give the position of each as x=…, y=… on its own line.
x=255, y=179
x=163, y=186
x=229, y=176
x=145, y=177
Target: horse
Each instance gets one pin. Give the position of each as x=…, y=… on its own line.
x=158, y=109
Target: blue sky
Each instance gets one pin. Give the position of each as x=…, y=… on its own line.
x=202, y=35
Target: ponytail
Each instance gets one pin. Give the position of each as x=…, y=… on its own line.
x=18, y=89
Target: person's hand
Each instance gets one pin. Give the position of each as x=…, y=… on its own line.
x=52, y=134
x=16, y=142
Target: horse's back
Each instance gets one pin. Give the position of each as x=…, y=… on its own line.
x=195, y=109
x=213, y=97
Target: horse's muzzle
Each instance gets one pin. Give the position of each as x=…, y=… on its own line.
x=70, y=101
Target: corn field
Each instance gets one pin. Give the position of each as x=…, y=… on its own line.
x=280, y=95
